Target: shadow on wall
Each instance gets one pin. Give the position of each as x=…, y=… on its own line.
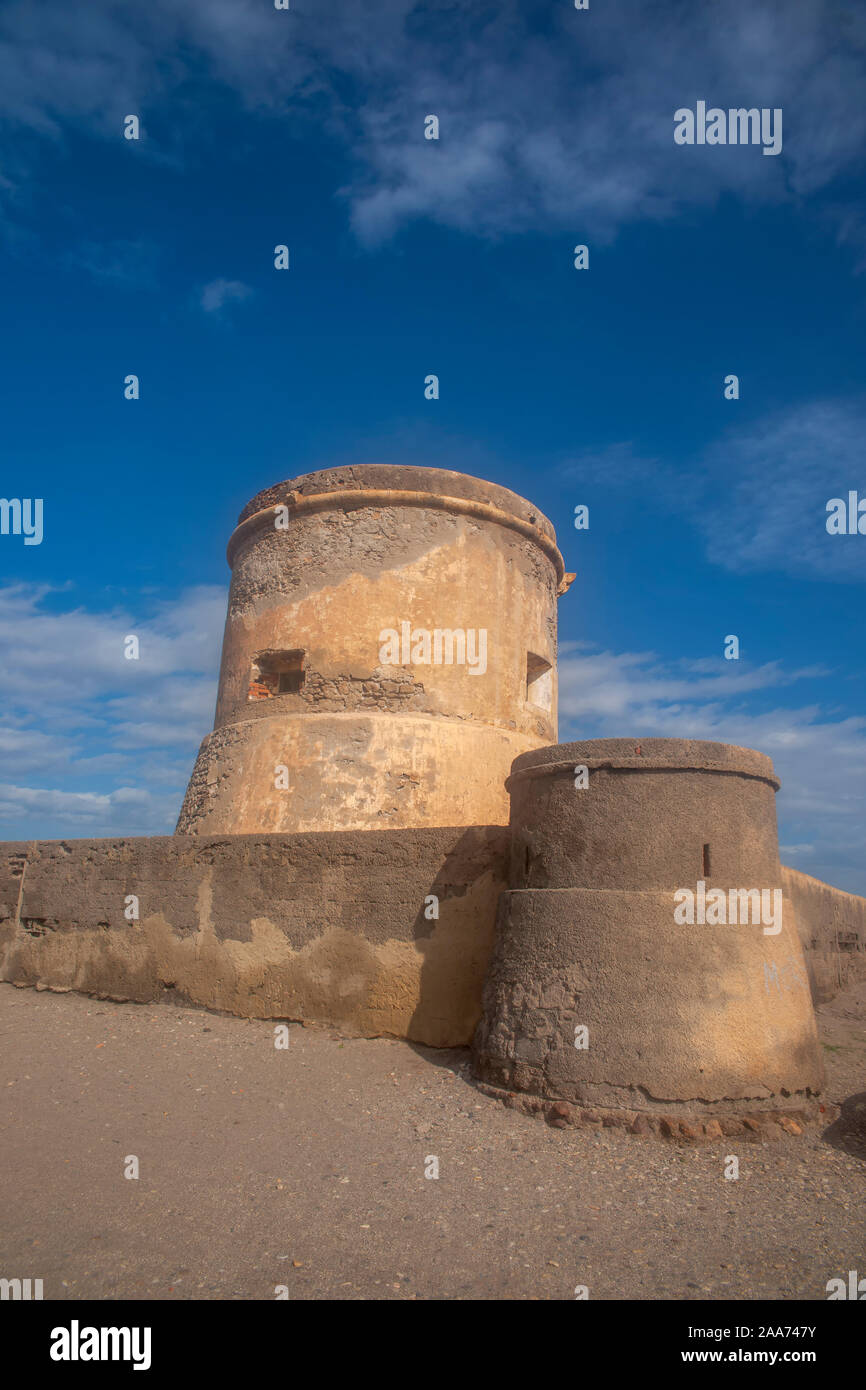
x=455, y=950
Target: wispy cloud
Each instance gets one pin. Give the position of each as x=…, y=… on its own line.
x=550, y=117
x=218, y=293
x=131, y=264
x=780, y=475
x=758, y=494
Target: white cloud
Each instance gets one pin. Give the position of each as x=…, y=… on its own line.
x=87, y=815
x=604, y=684
x=77, y=715
x=218, y=293
x=70, y=654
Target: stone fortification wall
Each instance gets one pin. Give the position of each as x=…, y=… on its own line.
x=325, y=928
x=832, y=932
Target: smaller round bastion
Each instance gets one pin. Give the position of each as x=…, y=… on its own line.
x=646, y=958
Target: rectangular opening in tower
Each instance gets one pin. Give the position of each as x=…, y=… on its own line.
x=707, y=867
x=539, y=682
x=276, y=673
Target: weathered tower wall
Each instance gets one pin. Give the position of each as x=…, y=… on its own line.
x=704, y=1016
x=366, y=737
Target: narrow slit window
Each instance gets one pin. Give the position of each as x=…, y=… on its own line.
x=539, y=682
x=707, y=868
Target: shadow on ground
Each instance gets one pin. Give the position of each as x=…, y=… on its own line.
x=848, y=1133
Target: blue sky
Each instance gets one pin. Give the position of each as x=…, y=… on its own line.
x=408, y=256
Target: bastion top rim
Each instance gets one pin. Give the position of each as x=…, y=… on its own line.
x=644, y=754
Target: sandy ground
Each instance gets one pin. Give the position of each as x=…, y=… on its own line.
x=305, y=1167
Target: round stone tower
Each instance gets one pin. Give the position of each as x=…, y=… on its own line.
x=646, y=958
x=390, y=648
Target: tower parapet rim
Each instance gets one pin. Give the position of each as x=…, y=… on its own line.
x=392, y=485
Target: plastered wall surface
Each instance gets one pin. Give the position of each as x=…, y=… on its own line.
x=347, y=768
